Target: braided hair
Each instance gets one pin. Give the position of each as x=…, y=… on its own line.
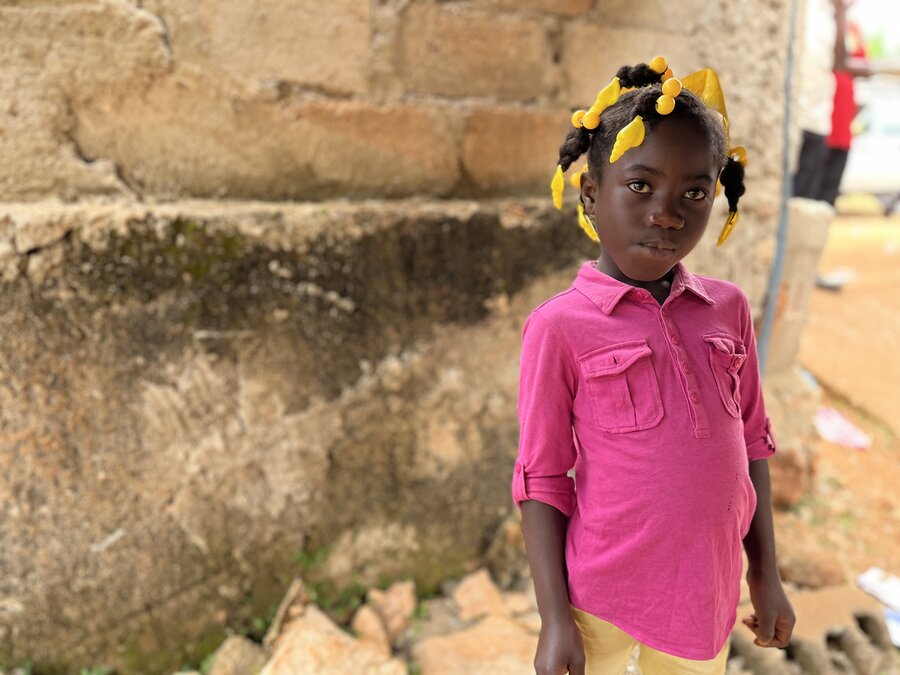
x=641, y=100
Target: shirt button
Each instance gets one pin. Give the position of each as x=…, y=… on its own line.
x=694, y=397
x=685, y=368
x=518, y=468
x=675, y=340
x=736, y=361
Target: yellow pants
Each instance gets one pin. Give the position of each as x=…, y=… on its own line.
x=607, y=650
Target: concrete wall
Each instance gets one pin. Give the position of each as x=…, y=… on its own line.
x=191, y=392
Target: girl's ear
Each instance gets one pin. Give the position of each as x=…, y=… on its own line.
x=589, y=189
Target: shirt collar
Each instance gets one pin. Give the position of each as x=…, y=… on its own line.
x=606, y=292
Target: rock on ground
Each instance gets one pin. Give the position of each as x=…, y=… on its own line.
x=395, y=606
x=312, y=644
x=477, y=595
x=494, y=646
x=238, y=656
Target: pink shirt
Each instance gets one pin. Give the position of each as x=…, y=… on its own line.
x=658, y=409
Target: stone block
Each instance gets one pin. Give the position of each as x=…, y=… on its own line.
x=324, y=45
x=364, y=150
x=52, y=57
x=667, y=16
x=594, y=51
x=509, y=148
x=457, y=51
x=187, y=137
x=562, y=7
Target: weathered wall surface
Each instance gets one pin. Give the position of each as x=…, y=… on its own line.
x=193, y=391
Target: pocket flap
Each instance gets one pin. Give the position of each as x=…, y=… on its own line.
x=613, y=359
x=729, y=346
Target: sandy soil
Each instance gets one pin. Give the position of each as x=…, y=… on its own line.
x=851, y=521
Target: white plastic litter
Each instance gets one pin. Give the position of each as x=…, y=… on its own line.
x=886, y=587
x=834, y=427
x=892, y=619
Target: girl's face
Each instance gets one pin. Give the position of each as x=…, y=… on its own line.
x=652, y=205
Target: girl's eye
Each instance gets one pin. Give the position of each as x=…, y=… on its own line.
x=639, y=186
x=695, y=194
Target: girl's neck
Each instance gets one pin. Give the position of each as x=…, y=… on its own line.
x=658, y=288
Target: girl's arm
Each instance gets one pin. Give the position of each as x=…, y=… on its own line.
x=559, y=647
x=773, y=620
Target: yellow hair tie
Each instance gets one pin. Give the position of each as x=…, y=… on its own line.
x=591, y=119
x=667, y=74
x=587, y=225
x=665, y=104
x=557, y=185
x=658, y=65
x=672, y=87
x=577, y=116
x=628, y=137
x=733, y=217
x=739, y=154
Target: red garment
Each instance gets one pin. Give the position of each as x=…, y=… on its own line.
x=843, y=112
x=845, y=107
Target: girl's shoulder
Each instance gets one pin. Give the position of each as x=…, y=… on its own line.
x=723, y=291
x=557, y=305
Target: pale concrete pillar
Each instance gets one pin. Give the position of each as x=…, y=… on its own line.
x=807, y=232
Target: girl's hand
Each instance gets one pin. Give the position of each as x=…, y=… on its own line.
x=773, y=620
x=559, y=649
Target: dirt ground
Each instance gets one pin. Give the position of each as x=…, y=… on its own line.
x=851, y=521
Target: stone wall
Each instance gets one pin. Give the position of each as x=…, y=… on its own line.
x=196, y=385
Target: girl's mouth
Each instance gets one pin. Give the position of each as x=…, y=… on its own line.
x=658, y=248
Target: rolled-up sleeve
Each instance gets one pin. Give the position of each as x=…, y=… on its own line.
x=547, y=452
x=757, y=427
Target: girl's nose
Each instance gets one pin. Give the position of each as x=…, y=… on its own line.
x=670, y=220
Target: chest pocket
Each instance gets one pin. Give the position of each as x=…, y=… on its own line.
x=726, y=356
x=622, y=387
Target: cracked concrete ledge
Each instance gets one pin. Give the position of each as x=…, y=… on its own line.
x=188, y=390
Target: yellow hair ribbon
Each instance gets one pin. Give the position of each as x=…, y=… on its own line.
x=607, y=96
x=577, y=116
x=628, y=137
x=733, y=217
x=575, y=178
x=667, y=74
x=557, y=185
x=705, y=84
x=586, y=225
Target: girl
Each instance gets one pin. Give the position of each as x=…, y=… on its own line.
x=642, y=377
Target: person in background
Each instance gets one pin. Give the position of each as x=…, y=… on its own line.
x=816, y=96
x=827, y=97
